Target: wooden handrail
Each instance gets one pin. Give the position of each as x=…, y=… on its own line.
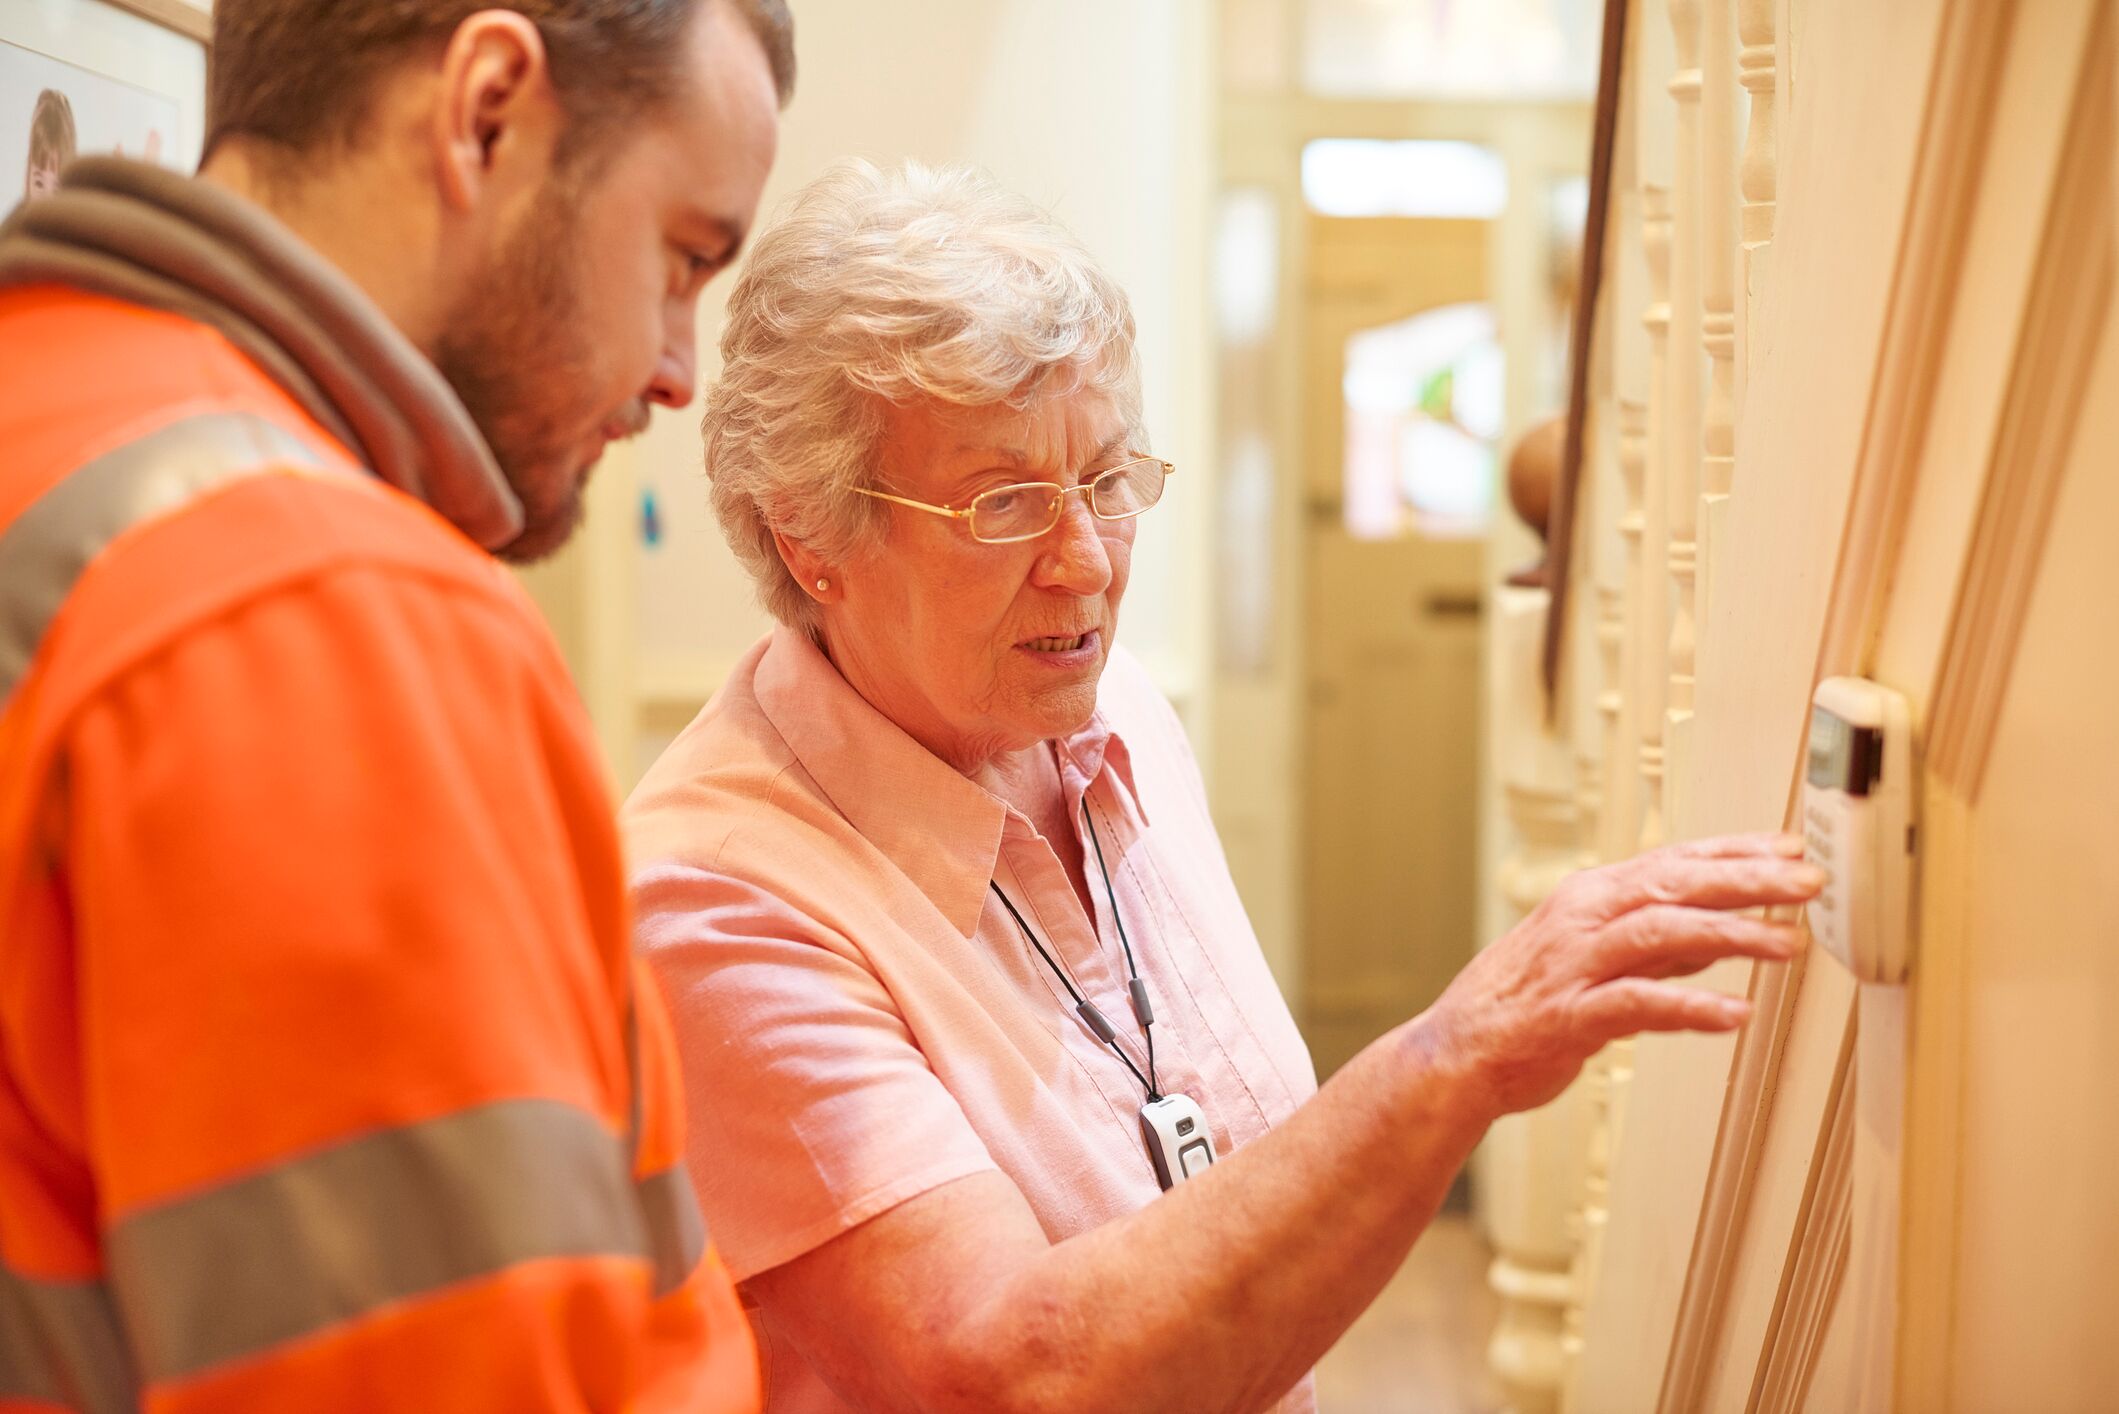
x=1559, y=540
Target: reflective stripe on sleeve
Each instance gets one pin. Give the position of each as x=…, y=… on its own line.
x=676, y=1231
x=675, y=1227
x=333, y=1235
x=60, y=1345
x=45, y=550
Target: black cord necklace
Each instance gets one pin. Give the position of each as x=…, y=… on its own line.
x=1173, y=1126
x=1090, y=1013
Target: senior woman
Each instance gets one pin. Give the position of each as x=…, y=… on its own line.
x=934, y=892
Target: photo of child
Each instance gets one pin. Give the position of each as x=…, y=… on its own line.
x=52, y=144
x=52, y=112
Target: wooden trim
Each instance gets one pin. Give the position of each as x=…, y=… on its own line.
x=180, y=15
x=1560, y=528
x=1741, y=1134
x=1955, y=127
x=1882, y=1055
x=1928, y=1224
x=2071, y=285
x=1957, y=120
x=2068, y=303
x=1817, y=1256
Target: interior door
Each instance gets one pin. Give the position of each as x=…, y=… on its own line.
x=1393, y=606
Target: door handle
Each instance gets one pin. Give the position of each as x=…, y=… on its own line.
x=1443, y=604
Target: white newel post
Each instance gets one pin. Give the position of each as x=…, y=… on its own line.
x=1534, y=1162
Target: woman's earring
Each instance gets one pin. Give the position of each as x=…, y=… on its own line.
x=823, y=586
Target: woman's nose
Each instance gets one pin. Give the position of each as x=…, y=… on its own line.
x=1074, y=556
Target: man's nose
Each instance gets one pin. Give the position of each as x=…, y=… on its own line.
x=676, y=375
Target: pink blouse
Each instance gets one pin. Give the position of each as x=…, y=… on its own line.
x=860, y=1020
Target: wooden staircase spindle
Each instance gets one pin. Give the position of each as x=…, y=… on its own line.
x=1718, y=259
x=1683, y=372
x=1652, y=622
x=1758, y=70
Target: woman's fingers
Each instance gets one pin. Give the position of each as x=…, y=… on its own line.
x=1630, y=1005
x=1741, y=881
x=1770, y=842
x=1732, y=872
x=1669, y=940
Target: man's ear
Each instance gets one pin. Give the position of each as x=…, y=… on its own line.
x=820, y=581
x=496, y=116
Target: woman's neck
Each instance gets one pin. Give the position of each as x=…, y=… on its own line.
x=1029, y=780
x=984, y=759
x=1025, y=777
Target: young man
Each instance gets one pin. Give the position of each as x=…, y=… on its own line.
x=326, y=1077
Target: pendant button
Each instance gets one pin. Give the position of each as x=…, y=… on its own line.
x=1195, y=1157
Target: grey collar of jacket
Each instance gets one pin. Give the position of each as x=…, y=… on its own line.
x=149, y=236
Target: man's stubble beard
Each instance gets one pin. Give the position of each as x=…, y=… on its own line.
x=514, y=351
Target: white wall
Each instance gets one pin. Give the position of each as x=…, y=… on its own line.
x=1097, y=109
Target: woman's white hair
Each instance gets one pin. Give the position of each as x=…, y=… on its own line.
x=880, y=287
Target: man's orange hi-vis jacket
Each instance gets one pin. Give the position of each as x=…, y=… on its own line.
x=328, y=1081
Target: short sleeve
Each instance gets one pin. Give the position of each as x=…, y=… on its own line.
x=811, y=1106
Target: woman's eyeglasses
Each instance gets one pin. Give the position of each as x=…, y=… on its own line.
x=1026, y=511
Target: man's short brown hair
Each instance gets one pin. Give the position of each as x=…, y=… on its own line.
x=299, y=75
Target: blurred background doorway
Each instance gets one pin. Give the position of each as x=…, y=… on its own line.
x=1400, y=204
x=1403, y=384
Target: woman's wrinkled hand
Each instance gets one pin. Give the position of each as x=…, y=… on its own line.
x=1593, y=963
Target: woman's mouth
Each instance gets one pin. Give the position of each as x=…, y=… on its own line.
x=1064, y=651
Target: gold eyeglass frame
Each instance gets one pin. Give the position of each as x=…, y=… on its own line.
x=965, y=512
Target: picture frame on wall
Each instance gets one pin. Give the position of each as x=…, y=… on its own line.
x=85, y=77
